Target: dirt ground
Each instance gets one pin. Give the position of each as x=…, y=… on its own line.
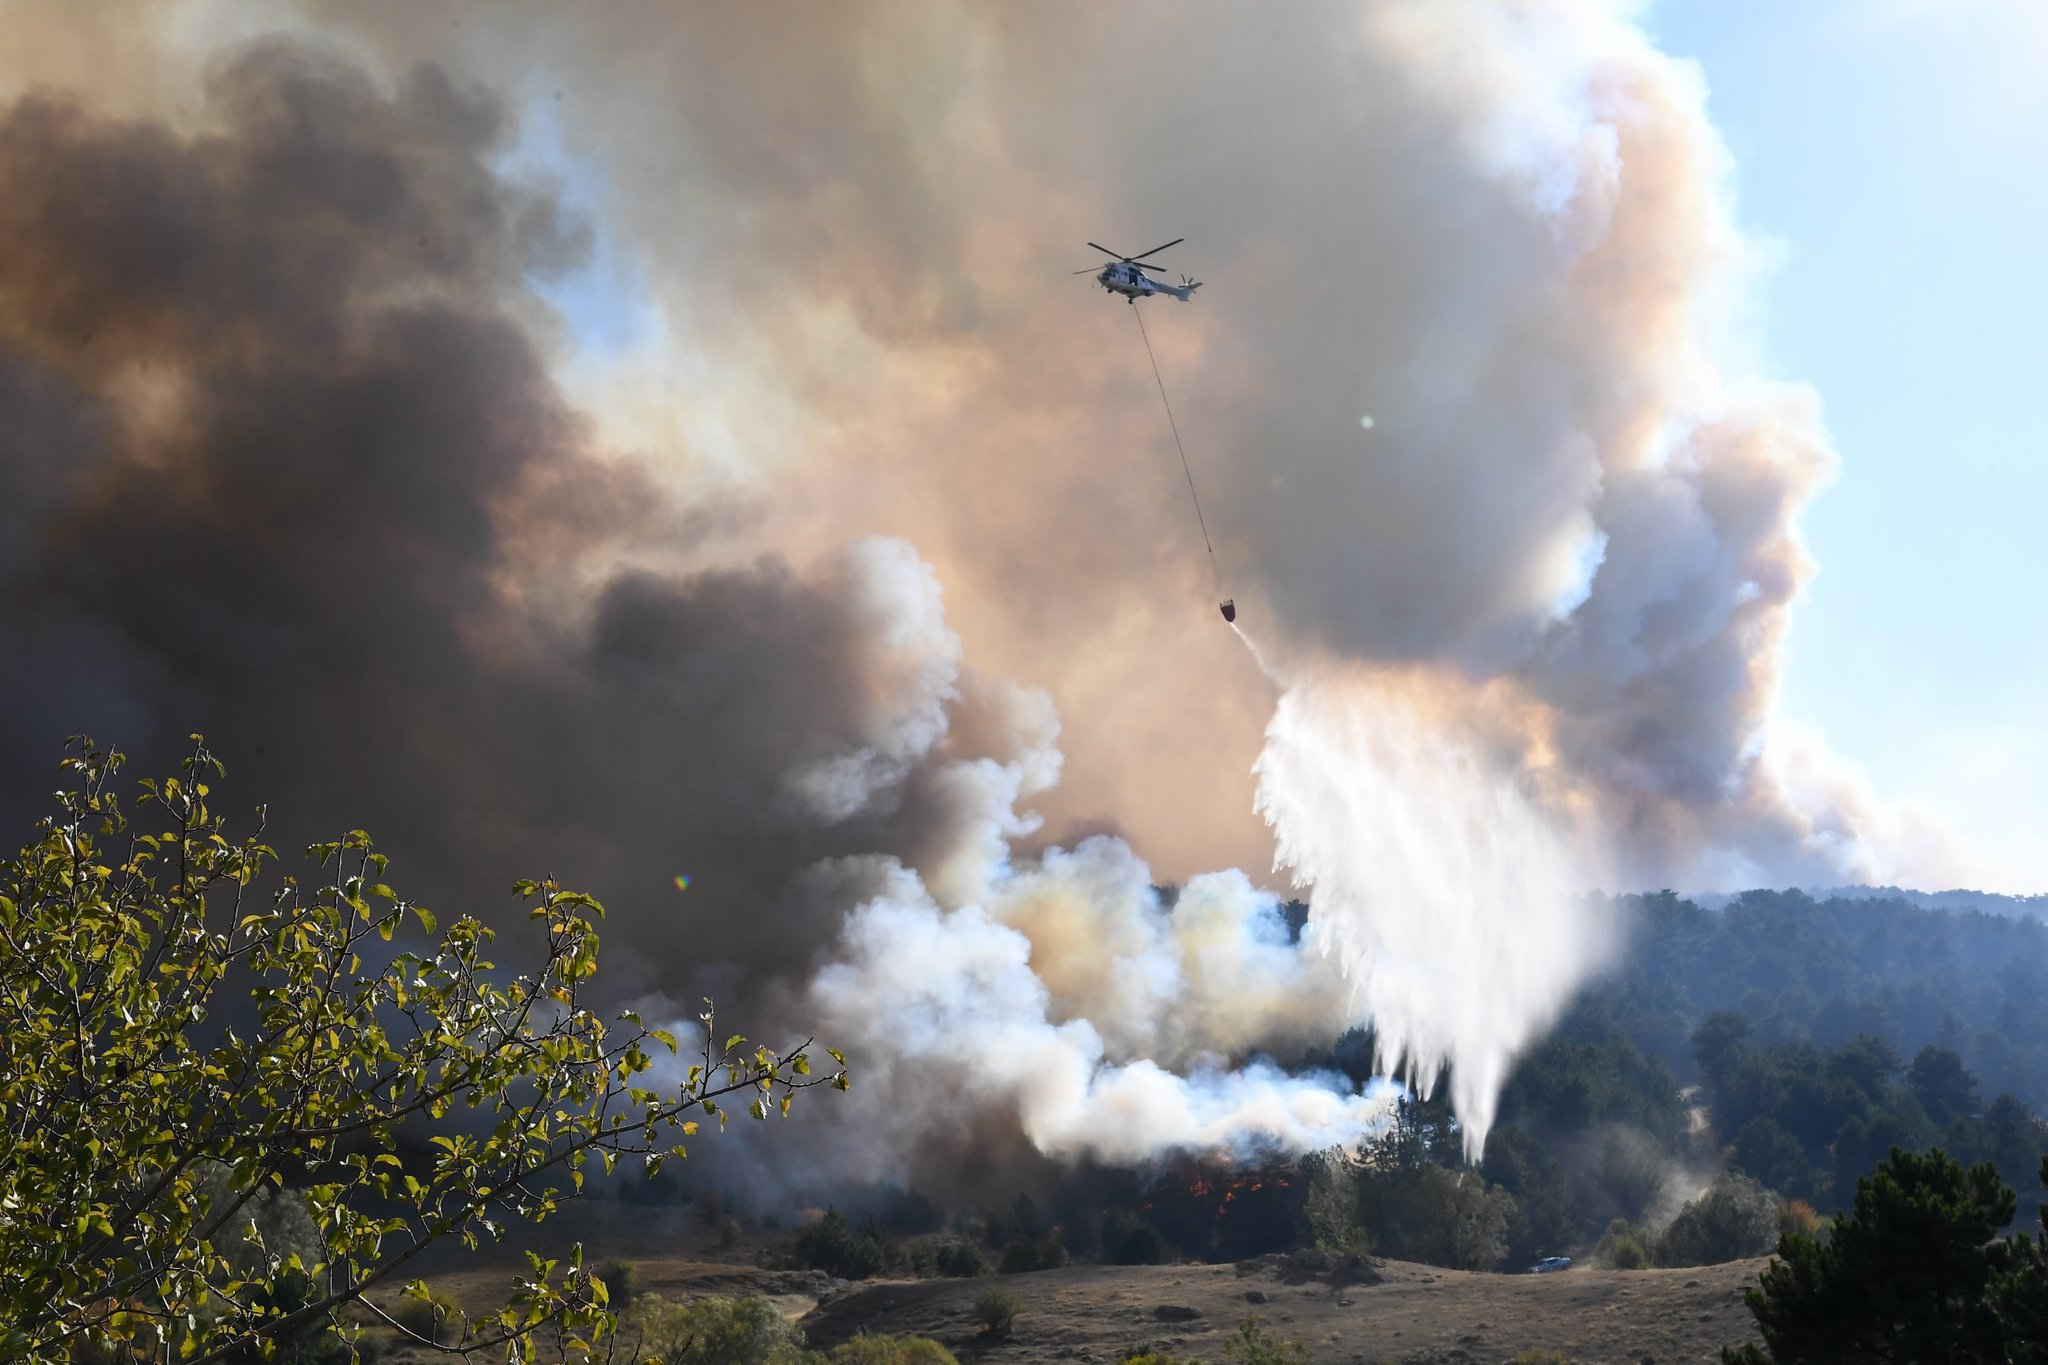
x=1096, y=1315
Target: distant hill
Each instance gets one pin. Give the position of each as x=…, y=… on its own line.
x=1986, y=902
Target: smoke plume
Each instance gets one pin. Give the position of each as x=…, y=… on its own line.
x=633, y=441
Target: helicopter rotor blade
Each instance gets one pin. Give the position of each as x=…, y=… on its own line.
x=1105, y=250
x=1091, y=270
x=1155, y=250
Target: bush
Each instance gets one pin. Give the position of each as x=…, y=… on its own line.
x=1154, y=1358
x=1129, y=1239
x=432, y=1317
x=1796, y=1218
x=623, y=1282
x=1027, y=1254
x=1254, y=1345
x=832, y=1246
x=959, y=1260
x=996, y=1311
x=886, y=1350
x=1734, y=1218
x=749, y=1331
x=1626, y=1246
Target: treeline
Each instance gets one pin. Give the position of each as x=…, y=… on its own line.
x=1788, y=1040
x=1729, y=1079
x=1825, y=971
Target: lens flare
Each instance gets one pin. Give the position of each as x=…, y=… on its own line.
x=682, y=881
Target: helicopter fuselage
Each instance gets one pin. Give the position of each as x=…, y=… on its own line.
x=1121, y=277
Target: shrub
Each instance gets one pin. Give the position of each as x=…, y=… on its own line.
x=623, y=1282
x=959, y=1260
x=832, y=1246
x=750, y=1331
x=996, y=1311
x=1626, y=1246
x=886, y=1350
x=1129, y=1239
x=1026, y=1254
x=1254, y=1345
x=431, y=1316
x=1796, y=1218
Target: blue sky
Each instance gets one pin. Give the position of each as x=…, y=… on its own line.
x=1897, y=156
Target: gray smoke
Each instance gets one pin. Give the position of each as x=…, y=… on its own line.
x=282, y=466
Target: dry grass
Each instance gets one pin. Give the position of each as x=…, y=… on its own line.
x=1096, y=1315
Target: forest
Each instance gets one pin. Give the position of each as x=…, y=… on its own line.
x=1730, y=1078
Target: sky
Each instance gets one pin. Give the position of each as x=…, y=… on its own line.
x=1892, y=155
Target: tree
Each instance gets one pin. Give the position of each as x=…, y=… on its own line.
x=1945, y=1088
x=2019, y=1293
x=1901, y=1277
x=1438, y=1216
x=1532, y=1174
x=1734, y=1217
x=830, y=1244
x=1331, y=1204
x=1766, y=1151
x=184, y=1052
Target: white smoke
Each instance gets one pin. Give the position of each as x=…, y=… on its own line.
x=950, y=1015
x=1062, y=988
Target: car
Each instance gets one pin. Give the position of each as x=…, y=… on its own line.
x=1550, y=1263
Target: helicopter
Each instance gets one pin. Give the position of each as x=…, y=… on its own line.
x=1126, y=275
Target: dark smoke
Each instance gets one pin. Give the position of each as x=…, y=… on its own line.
x=282, y=464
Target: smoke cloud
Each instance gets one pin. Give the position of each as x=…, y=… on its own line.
x=645, y=441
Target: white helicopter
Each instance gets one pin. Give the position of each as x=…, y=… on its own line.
x=1126, y=275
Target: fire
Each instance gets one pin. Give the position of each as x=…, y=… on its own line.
x=1215, y=1188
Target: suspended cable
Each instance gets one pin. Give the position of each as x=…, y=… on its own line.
x=1229, y=612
